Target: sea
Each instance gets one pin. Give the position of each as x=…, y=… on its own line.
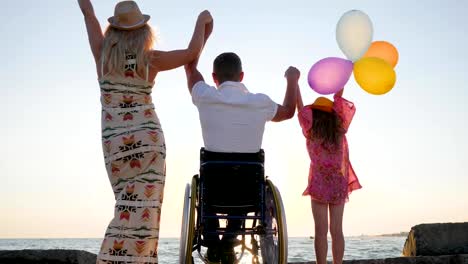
x=300, y=249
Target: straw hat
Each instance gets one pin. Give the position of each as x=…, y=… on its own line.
x=323, y=104
x=127, y=16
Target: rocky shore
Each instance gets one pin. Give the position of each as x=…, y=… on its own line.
x=449, y=259
x=426, y=244
x=84, y=257
x=437, y=239
x=51, y=256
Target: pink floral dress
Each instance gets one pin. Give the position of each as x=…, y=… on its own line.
x=331, y=176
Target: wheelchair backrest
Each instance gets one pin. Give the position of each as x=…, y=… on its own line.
x=231, y=181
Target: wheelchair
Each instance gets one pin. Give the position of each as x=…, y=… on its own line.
x=232, y=188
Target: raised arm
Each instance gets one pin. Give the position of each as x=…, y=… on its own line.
x=193, y=75
x=339, y=93
x=286, y=111
x=299, y=102
x=167, y=60
x=191, y=71
x=95, y=35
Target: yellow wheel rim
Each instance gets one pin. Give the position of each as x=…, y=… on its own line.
x=191, y=223
x=279, y=215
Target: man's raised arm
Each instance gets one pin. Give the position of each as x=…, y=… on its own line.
x=193, y=75
x=191, y=71
x=286, y=111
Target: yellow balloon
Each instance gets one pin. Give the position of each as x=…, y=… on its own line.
x=383, y=50
x=374, y=75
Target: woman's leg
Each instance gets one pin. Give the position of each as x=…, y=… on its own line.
x=320, y=213
x=336, y=230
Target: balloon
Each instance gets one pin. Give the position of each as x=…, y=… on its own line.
x=374, y=75
x=354, y=34
x=330, y=75
x=383, y=50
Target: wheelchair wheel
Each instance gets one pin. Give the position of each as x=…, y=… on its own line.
x=274, y=244
x=188, y=223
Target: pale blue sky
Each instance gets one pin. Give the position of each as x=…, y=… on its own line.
x=407, y=147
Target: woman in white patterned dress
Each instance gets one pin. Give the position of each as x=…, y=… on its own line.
x=132, y=138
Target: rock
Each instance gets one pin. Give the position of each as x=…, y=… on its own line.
x=452, y=259
x=52, y=256
x=437, y=239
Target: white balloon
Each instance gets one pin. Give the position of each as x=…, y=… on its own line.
x=354, y=34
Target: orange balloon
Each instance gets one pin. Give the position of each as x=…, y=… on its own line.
x=374, y=75
x=383, y=50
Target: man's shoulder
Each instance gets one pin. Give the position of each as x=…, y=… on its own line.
x=201, y=85
x=264, y=103
x=259, y=98
x=201, y=88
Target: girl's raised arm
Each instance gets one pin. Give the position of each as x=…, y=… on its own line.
x=299, y=103
x=95, y=35
x=339, y=93
x=167, y=60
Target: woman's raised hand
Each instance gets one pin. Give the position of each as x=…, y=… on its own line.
x=85, y=5
x=208, y=30
x=205, y=17
x=292, y=74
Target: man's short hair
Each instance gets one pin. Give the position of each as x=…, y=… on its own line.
x=227, y=67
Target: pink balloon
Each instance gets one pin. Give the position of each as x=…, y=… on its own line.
x=329, y=75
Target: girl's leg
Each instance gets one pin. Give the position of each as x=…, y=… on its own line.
x=336, y=230
x=320, y=213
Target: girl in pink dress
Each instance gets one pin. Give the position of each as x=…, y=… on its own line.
x=331, y=176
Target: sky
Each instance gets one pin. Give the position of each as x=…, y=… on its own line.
x=407, y=147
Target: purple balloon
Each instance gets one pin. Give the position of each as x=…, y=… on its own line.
x=330, y=75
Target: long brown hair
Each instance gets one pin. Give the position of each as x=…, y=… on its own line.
x=118, y=43
x=326, y=127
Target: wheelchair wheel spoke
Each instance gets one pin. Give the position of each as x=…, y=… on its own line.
x=272, y=244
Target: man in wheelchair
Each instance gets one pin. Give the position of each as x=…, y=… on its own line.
x=233, y=121
x=231, y=184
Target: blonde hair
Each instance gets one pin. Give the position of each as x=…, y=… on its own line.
x=118, y=43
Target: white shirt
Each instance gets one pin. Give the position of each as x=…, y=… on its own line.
x=232, y=119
